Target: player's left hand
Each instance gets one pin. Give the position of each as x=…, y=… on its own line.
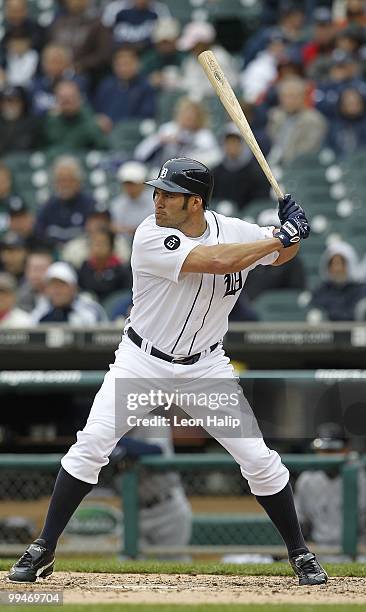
x=292, y=231
x=288, y=208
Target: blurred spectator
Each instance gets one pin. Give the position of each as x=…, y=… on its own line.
x=63, y=216
x=319, y=496
x=56, y=66
x=162, y=62
x=126, y=94
x=76, y=251
x=290, y=275
x=200, y=36
x=355, y=13
x=20, y=60
x=293, y=128
x=343, y=73
x=243, y=310
x=18, y=128
x=135, y=203
x=10, y=315
x=290, y=23
x=31, y=291
x=322, y=43
x=238, y=177
x=72, y=125
x=347, y=132
x=103, y=272
x=132, y=21
x=64, y=304
x=21, y=222
x=340, y=291
x=185, y=136
x=13, y=255
x=351, y=39
x=262, y=71
x=165, y=514
x=17, y=20
x=6, y=195
x=79, y=29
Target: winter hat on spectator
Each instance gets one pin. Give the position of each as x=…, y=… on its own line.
x=16, y=206
x=166, y=28
x=196, y=32
x=11, y=240
x=100, y=208
x=62, y=271
x=341, y=57
x=7, y=283
x=322, y=15
x=132, y=172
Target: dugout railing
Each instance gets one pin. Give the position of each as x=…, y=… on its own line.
x=211, y=461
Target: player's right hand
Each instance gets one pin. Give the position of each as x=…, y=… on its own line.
x=292, y=231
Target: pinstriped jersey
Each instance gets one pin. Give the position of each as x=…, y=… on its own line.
x=185, y=313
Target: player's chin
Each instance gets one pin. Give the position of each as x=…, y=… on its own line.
x=162, y=221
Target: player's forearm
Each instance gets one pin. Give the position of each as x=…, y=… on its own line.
x=236, y=257
x=287, y=254
x=228, y=258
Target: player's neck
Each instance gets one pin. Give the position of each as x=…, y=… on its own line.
x=194, y=227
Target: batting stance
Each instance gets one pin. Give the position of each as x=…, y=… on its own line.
x=189, y=265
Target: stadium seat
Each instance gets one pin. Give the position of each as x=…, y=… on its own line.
x=281, y=305
x=255, y=207
x=126, y=135
x=166, y=105
x=181, y=10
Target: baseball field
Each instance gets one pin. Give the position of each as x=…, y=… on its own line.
x=108, y=585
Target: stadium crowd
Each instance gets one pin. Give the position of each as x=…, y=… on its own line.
x=119, y=83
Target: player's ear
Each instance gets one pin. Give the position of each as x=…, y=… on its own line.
x=197, y=203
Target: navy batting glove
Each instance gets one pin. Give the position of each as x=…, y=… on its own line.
x=292, y=232
x=288, y=207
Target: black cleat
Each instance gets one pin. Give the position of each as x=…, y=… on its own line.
x=308, y=569
x=37, y=562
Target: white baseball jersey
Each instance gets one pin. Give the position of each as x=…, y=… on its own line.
x=186, y=313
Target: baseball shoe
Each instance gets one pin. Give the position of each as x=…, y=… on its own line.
x=308, y=569
x=37, y=562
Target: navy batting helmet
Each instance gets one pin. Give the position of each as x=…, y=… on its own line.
x=187, y=176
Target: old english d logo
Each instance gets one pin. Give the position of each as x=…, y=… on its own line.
x=233, y=282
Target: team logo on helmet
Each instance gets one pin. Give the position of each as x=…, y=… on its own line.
x=164, y=172
x=172, y=242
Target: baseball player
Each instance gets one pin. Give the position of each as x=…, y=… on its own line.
x=319, y=495
x=189, y=265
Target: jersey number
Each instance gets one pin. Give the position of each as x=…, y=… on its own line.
x=233, y=282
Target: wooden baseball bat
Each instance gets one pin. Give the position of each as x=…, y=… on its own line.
x=229, y=100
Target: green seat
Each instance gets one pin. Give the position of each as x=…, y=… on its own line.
x=126, y=135
x=280, y=305
x=226, y=9
x=180, y=9
x=254, y=208
x=166, y=105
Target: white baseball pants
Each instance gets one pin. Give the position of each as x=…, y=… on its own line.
x=261, y=466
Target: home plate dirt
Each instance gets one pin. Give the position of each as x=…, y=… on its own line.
x=178, y=588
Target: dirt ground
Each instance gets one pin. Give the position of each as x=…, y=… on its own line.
x=177, y=588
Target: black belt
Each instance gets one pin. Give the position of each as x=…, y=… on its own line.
x=136, y=339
